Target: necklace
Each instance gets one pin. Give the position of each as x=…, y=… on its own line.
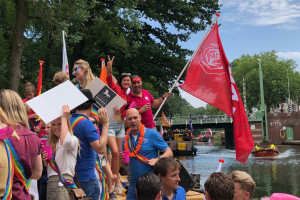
x=127, y=142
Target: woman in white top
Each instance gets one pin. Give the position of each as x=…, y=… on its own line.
x=65, y=148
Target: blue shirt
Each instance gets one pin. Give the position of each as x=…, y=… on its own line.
x=153, y=142
x=86, y=132
x=179, y=194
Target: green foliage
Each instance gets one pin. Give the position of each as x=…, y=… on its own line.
x=275, y=79
x=140, y=34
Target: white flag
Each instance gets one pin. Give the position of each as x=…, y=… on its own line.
x=65, y=64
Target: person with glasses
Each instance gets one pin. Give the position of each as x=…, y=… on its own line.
x=116, y=130
x=83, y=73
x=143, y=101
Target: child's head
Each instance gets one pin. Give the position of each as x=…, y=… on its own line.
x=29, y=90
x=48, y=128
x=60, y=77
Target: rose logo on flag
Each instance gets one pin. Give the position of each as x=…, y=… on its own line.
x=210, y=60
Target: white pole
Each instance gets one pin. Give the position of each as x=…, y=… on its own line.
x=187, y=64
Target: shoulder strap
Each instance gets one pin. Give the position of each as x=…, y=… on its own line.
x=76, y=121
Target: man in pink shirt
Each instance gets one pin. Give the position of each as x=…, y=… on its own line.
x=143, y=101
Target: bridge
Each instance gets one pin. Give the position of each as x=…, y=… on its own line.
x=216, y=121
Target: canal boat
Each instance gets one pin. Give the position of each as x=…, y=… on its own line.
x=181, y=147
x=265, y=152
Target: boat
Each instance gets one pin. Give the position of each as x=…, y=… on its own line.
x=265, y=152
x=181, y=147
x=207, y=137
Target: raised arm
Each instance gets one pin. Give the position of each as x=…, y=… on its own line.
x=100, y=145
x=64, y=123
x=159, y=101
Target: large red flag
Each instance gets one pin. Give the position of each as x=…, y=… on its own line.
x=209, y=78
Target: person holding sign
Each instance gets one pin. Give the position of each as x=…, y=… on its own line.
x=61, y=167
x=90, y=143
x=116, y=130
x=27, y=150
x=143, y=101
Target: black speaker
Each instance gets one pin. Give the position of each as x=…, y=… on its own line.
x=186, y=180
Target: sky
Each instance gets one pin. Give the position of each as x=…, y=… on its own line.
x=255, y=26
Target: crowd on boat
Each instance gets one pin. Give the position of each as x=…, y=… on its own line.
x=70, y=157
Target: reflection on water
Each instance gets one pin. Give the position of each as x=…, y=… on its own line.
x=275, y=174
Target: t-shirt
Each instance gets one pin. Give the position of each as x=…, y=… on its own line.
x=86, y=133
x=152, y=143
x=139, y=102
x=179, y=194
x=28, y=147
x=65, y=156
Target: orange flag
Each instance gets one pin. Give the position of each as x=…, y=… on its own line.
x=164, y=120
x=103, y=73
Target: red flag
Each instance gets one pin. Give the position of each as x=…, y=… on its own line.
x=39, y=84
x=65, y=64
x=209, y=78
x=103, y=73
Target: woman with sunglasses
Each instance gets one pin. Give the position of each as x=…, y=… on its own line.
x=83, y=73
x=116, y=130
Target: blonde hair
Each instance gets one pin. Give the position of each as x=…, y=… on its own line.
x=53, y=139
x=89, y=76
x=245, y=180
x=29, y=87
x=60, y=77
x=5, y=120
x=13, y=107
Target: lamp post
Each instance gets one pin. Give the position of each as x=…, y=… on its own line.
x=263, y=108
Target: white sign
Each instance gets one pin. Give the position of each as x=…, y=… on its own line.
x=48, y=106
x=252, y=127
x=105, y=96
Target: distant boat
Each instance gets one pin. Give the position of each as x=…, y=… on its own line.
x=265, y=152
x=205, y=138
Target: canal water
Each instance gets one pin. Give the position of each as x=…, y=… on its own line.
x=277, y=174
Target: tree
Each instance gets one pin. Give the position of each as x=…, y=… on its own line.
x=275, y=79
x=143, y=35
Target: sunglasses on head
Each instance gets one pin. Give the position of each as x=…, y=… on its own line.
x=126, y=74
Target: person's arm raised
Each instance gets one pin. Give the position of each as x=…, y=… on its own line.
x=159, y=101
x=109, y=65
x=100, y=145
x=64, y=123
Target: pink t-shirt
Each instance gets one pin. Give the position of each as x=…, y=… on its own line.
x=138, y=102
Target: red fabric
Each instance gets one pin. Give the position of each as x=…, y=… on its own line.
x=39, y=85
x=118, y=90
x=209, y=78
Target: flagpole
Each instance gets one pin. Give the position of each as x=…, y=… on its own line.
x=188, y=62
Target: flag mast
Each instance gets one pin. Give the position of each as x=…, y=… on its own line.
x=188, y=62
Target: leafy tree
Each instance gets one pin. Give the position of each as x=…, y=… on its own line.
x=139, y=33
x=275, y=78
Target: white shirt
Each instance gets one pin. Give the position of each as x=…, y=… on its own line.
x=65, y=156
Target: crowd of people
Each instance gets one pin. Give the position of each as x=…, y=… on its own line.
x=82, y=146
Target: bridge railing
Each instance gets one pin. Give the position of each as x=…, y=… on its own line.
x=201, y=119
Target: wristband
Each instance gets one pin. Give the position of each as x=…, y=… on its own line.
x=163, y=97
x=109, y=71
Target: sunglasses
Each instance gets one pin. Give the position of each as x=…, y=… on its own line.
x=76, y=68
x=126, y=74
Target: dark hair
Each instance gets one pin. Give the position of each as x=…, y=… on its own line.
x=162, y=166
x=123, y=75
x=84, y=106
x=148, y=186
x=219, y=186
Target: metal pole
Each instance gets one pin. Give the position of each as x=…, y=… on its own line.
x=263, y=107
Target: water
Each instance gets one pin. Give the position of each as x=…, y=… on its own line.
x=276, y=174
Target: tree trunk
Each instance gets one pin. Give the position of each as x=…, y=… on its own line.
x=14, y=74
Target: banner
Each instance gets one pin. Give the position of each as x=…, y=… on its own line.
x=164, y=120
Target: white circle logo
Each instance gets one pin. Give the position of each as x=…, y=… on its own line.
x=210, y=60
